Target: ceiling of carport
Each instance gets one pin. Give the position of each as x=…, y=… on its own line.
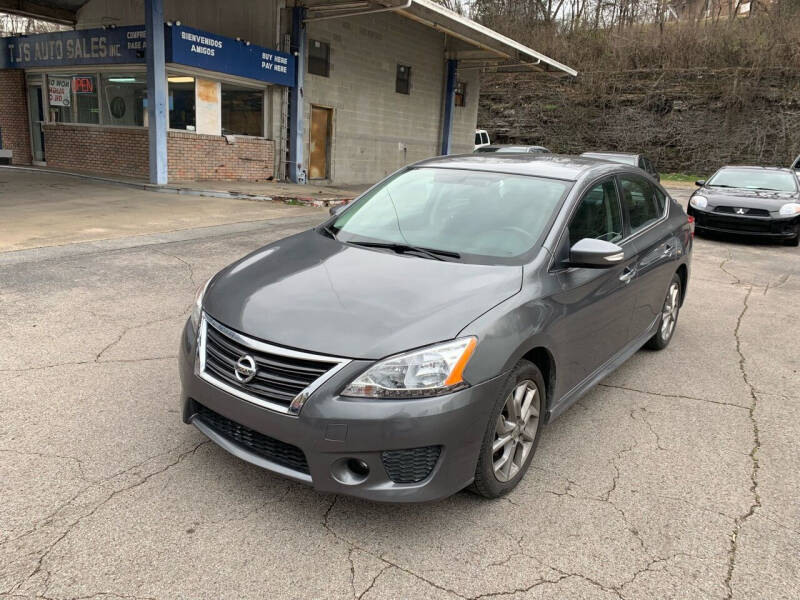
x=59, y=11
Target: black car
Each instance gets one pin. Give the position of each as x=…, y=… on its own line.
x=636, y=160
x=513, y=149
x=757, y=201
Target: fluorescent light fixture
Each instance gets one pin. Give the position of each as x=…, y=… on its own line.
x=180, y=79
x=122, y=79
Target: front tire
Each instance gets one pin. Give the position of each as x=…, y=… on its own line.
x=512, y=433
x=669, y=316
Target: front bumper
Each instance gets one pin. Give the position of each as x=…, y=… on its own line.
x=331, y=430
x=779, y=228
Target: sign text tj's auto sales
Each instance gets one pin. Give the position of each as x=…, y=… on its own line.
x=79, y=47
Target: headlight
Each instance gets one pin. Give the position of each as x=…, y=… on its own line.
x=698, y=201
x=197, y=307
x=422, y=373
x=788, y=210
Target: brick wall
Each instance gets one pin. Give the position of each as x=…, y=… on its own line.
x=194, y=156
x=101, y=150
x=14, y=116
x=124, y=151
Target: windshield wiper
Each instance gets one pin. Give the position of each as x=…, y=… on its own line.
x=402, y=248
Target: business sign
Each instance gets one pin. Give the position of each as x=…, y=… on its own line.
x=195, y=48
x=83, y=85
x=126, y=45
x=58, y=91
x=122, y=45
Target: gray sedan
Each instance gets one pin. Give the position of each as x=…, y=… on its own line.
x=416, y=342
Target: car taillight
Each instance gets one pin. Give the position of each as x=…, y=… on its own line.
x=691, y=224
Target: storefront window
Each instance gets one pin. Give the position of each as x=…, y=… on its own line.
x=73, y=98
x=181, y=102
x=242, y=111
x=124, y=99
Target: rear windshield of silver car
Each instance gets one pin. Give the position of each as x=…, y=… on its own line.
x=753, y=179
x=475, y=214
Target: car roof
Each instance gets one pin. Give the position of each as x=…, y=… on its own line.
x=620, y=154
x=556, y=166
x=513, y=146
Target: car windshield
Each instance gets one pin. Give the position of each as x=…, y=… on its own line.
x=754, y=179
x=455, y=211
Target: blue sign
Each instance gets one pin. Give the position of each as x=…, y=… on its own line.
x=195, y=48
x=120, y=45
x=126, y=45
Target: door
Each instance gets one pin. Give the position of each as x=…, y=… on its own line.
x=36, y=120
x=656, y=246
x=596, y=303
x=319, y=151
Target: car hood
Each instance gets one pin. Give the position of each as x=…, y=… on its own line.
x=314, y=293
x=763, y=199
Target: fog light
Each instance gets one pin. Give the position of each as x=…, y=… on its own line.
x=350, y=471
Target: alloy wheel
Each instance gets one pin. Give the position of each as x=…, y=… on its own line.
x=669, y=314
x=516, y=429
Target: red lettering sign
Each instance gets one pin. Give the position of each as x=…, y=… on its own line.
x=83, y=85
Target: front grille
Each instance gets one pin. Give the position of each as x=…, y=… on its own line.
x=734, y=223
x=750, y=212
x=410, y=466
x=279, y=377
x=264, y=446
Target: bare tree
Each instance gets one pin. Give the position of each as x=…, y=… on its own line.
x=16, y=24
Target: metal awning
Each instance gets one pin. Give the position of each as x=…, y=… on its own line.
x=473, y=43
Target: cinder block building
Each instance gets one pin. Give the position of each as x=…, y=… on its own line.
x=343, y=91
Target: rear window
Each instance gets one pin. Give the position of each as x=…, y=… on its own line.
x=641, y=202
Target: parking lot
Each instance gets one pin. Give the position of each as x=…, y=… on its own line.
x=677, y=477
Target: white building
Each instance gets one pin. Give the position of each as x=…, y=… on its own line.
x=335, y=92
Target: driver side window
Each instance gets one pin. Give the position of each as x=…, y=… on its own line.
x=598, y=216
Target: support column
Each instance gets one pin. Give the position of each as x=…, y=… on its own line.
x=296, y=170
x=449, y=105
x=156, y=90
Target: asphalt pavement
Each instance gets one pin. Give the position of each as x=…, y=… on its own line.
x=677, y=477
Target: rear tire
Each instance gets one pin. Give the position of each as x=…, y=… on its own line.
x=669, y=316
x=512, y=433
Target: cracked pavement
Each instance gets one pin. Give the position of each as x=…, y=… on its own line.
x=677, y=477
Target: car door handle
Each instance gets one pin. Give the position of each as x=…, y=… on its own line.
x=627, y=275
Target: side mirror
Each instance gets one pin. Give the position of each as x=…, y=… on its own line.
x=595, y=254
x=700, y=182
x=337, y=210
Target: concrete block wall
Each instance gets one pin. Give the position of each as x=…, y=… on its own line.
x=371, y=122
x=193, y=156
x=92, y=149
x=466, y=117
x=14, y=116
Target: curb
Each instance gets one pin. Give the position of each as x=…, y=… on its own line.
x=184, y=191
